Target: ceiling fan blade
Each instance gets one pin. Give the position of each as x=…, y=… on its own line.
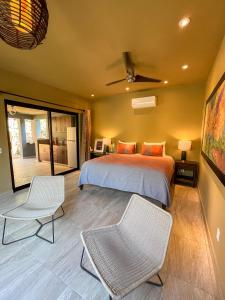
x=114, y=82
x=139, y=78
x=128, y=63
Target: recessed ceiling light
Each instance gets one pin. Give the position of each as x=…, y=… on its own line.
x=127, y=88
x=184, y=22
x=184, y=67
x=92, y=95
x=165, y=81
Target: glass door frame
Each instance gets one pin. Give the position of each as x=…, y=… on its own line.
x=49, y=118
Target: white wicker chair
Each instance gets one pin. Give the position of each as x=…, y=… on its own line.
x=45, y=196
x=129, y=253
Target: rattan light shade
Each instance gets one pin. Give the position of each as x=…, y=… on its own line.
x=23, y=23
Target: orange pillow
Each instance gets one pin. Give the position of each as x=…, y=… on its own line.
x=152, y=150
x=125, y=148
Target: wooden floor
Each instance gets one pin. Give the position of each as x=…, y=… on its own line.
x=34, y=269
x=25, y=169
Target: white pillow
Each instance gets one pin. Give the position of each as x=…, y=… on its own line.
x=130, y=143
x=159, y=144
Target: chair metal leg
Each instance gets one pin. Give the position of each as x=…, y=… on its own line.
x=35, y=234
x=53, y=231
x=83, y=268
x=3, y=234
x=8, y=243
x=86, y=270
x=156, y=284
x=163, y=206
x=63, y=213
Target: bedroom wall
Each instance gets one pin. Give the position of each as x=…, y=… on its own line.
x=21, y=85
x=211, y=189
x=178, y=115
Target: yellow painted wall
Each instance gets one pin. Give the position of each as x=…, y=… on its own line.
x=178, y=115
x=20, y=85
x=211, y=189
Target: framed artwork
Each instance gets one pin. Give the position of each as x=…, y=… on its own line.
x=213, y=141
x=99, y=145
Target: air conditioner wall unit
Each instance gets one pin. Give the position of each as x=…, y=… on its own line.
x=144, y=102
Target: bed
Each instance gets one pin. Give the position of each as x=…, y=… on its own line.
x=149, y=176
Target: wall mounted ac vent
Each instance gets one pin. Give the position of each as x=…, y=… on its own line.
x=144, y=102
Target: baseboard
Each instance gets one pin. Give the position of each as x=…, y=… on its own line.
x=6, y=194
x=212, y=251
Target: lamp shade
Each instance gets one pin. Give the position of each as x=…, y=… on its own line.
x=184, y=145
x=107, y=141
x=23, y=23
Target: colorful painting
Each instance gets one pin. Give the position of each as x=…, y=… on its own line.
x=213, y=144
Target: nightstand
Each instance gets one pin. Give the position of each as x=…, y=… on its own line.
x=186, y=172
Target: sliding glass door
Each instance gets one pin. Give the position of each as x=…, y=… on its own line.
x=41, y=142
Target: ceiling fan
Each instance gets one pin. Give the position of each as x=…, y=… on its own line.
x=131, y=76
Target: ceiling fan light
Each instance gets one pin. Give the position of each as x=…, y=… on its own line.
x=130, y=78
x=23, y=23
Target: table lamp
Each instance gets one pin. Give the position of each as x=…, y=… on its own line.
x=184, y=146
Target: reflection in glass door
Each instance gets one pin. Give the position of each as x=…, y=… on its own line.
x=15, y=137
x=64, y=138
x=29, y=143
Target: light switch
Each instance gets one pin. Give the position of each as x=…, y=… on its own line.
x=0, y=150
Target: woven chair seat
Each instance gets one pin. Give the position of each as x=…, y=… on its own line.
x=117, y=260
x=25, y=211
x=129, y=253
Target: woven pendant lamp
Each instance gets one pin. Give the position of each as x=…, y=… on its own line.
x=23, y=23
